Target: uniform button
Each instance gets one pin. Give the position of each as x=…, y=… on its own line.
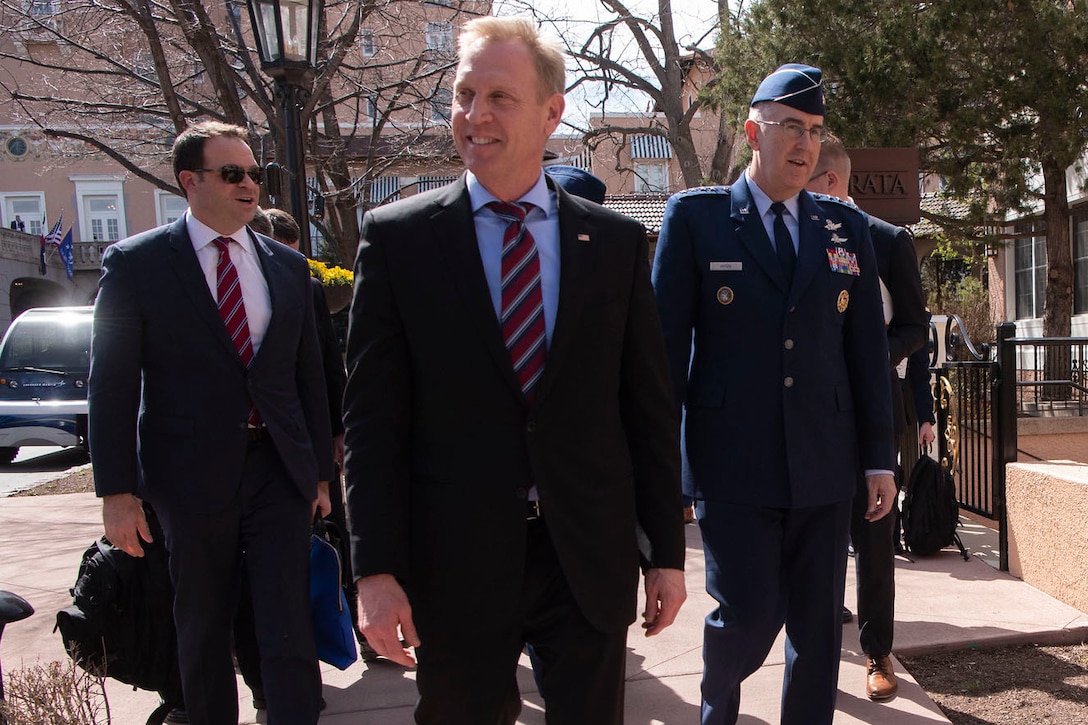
x=788, y=382
x=530, y=427
x=788, y=344
x=522, y=494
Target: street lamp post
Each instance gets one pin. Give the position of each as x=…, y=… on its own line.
x=286, y=33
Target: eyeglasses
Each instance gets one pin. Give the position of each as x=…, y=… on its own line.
x=816, y=134
x=233, y=173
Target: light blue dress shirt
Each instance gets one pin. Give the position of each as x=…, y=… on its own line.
x=543, y=224
x=763, y=206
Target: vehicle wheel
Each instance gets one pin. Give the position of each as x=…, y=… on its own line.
x=7, y=455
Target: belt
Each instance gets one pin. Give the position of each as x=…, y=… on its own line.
x=532, y=511
x=256, y=435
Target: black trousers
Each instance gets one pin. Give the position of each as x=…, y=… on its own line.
x=270, y=521
x=874, y=564
x=470, y=680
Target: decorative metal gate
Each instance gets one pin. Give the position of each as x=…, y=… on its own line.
x=971, y=427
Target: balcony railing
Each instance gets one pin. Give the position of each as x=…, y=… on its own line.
x=24, y=247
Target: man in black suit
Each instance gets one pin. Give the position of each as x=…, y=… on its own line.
x=785, y=397
x=207, y=400
x=18, y=224
x=906, y=326
x=495, y=497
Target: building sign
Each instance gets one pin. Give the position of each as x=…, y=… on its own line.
x=885, y=183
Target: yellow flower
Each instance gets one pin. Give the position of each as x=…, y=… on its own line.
x=331, y=276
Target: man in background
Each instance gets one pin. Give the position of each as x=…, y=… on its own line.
x=906, y=327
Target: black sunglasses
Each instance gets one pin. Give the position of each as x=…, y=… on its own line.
x=233, y=173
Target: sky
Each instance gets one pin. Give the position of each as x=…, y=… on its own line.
x=692, y=19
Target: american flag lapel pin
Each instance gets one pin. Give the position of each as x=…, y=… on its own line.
x=583, y=237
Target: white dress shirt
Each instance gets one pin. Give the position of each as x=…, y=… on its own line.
x=255, y=296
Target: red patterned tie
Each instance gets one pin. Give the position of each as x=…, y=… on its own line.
x=232, y=309
x=522, y=301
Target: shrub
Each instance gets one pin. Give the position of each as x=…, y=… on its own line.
x=54, y=693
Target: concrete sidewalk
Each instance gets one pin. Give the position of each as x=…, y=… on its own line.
x=943, y=603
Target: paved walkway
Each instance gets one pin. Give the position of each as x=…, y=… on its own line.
x=943, y=603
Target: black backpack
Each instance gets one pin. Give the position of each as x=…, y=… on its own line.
x=121, y=622
x=930, y=510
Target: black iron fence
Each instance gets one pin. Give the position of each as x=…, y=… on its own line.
x=981, y=391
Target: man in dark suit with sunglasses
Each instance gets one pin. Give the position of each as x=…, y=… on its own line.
x=207, y=400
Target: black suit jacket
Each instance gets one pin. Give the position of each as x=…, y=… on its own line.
x=897, y=266
x=169, y=396
x=442, y=447
x=332, y=360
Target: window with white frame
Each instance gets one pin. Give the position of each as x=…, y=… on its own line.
x=1029, y=258
x=1080, y=259
x=30, y=208
x=442, y=105
x=100, y=203
x=440, y=37
x=366, y=42
x=169, y=207
x=651, y=177
x=41, y=8
x=650, y=154
x=370, y=106
x=101, y=215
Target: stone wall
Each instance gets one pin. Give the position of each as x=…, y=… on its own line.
x=1048, y=527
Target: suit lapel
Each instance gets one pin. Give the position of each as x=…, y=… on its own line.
x=454, y=236
x=751, y=233
x=273, y=269
x=182, y=259
x=579, y=243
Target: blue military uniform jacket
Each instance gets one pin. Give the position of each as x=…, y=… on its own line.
x=784, y=390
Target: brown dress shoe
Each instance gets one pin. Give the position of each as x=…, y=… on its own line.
x=881, y=683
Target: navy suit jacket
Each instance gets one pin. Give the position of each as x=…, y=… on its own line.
x=442, y=446
x=169, y=397
x=785, y=389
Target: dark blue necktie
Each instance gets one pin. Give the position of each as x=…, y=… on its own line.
x=787, y=255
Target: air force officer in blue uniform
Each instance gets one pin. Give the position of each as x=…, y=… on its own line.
x=772, y=316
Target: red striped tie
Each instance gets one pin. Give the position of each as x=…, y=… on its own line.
x=522, y=301
x=232, y=309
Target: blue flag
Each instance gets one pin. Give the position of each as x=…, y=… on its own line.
x=65, y=250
